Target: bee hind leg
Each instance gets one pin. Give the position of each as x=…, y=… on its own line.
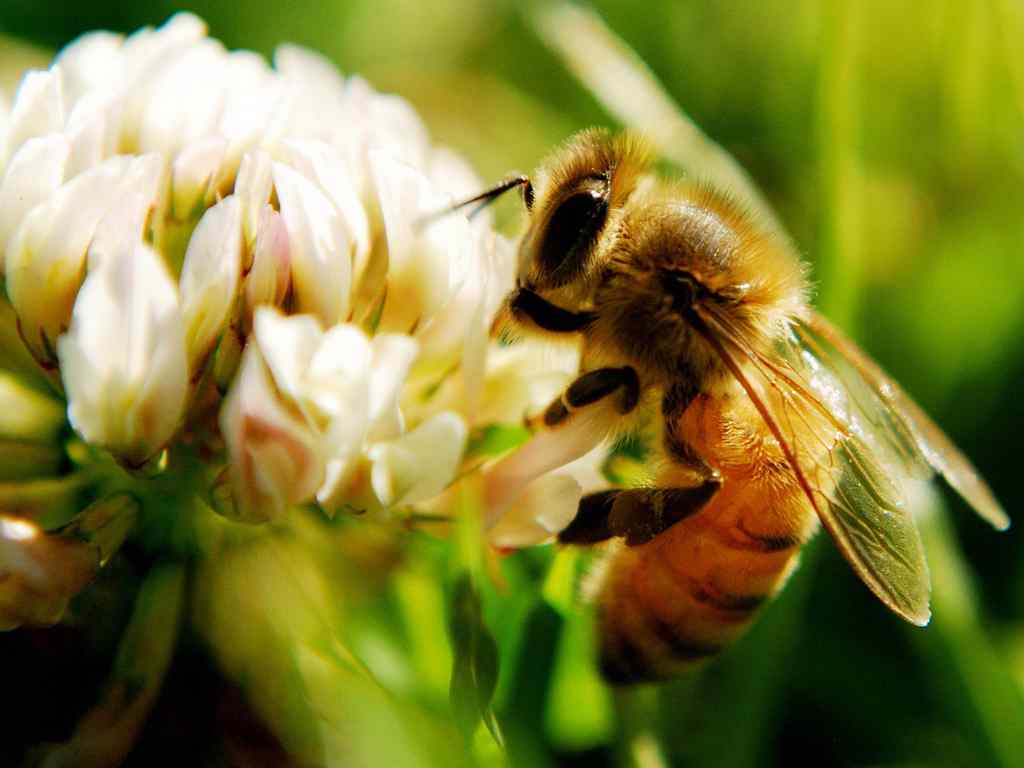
x=635, y=514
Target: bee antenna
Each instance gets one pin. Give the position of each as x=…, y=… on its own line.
x=485, y=198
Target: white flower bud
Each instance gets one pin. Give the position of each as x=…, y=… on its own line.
x=123, y=360
x=209, y=278
x=319, y=244
x=90, y=62
x=269, y=275
x=426, y=264
x=33, y=174
x=253, y=186
x=135, y=208
x=194, y=171
x=185, y=99
x=38, y=109
x=46, y=255
x=146, y=56
x=92, y=130
x=323, y=163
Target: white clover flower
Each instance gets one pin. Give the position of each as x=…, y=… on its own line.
x=222, y=269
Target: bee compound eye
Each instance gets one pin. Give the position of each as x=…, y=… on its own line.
x=573, y=228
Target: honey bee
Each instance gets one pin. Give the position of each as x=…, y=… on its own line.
x=767, y=419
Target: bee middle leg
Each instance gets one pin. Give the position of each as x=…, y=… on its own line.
x=635, y=514
x=591, y=387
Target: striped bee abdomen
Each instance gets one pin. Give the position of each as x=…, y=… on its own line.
x=688, y=593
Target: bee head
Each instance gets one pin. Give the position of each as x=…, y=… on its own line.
x=575, y=212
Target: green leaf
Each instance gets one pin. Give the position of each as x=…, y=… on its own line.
x=475, y=665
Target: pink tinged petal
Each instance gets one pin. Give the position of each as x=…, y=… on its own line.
x=325, y=165
x=123, y=360
x=421, y=463
x=135, y=213
x=393, y=356
x=425, y=265
x=253, y=186
x=39, y=573
x=38, y=109
x=269, y=275
x=326, y=377
x=547, y=450
x=193, y=174
x=209, y=278
x=46, y=254
x=33, y=174
x=320, y=246
x=543, y=508
x=275, y=456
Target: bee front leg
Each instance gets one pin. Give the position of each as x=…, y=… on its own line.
x=635, y=514
x=592, y=387
x=525, y=305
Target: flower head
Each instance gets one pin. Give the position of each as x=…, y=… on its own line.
x=222, y=268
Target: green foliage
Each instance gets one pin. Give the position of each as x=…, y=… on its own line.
x=475, y=668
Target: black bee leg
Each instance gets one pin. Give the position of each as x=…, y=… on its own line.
x=635, y=514
x=593, y=386
x=524, y=303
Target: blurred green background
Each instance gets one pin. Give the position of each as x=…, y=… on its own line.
x=889, y=137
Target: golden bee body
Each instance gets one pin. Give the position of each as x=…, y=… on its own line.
x=692, y=589
x=761, y=419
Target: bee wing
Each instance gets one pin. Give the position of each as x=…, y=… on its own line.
x=854, y=454
x=899, y=417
